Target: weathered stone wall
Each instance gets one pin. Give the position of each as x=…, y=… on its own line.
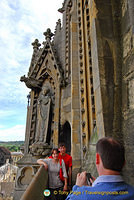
x=89, y=158
x=113, y=54
x=112, y=45
x=109, y=59
x=127, y=23
x=105, y=32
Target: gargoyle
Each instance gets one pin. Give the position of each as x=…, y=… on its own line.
x=31, y=82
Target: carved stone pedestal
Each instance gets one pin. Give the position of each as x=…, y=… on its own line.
x=27, y=167
x=40, y=149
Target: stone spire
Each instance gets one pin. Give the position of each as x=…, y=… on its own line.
x=35, y=55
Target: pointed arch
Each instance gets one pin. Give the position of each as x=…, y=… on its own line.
x=65, y=136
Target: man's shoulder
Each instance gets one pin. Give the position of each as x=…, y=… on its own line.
x=113, y=186
x=130, y=187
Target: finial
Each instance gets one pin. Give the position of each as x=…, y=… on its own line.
x=59, y=22
x=58, y=25
x=48, y=34
x=36, y=44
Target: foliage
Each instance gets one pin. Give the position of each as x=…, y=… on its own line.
x=12, y=145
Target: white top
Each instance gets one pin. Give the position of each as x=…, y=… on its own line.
x=53, y=173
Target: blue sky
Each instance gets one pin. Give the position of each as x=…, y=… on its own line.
x=21, y=22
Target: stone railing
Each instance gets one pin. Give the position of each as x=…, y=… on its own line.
x=39, y=183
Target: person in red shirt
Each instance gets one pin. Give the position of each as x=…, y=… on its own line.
x=67, y=160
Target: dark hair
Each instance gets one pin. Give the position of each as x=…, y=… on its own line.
x=54, y=149
x=61, y=144
x=112, y=153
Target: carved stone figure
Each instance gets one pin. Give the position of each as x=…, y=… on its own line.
x=43, y=113
x=31, y=82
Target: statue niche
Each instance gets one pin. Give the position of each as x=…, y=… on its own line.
x=43, y=115
x=43, y=123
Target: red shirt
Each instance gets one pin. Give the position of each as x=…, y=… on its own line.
x=67, y=159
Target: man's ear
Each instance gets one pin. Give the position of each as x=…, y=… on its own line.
x=97, y=158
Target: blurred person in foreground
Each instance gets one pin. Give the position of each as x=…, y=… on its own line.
x=110, y=159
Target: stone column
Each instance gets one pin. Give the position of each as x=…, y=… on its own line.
x=96, y=75
x=75, y=105
x=28, y=124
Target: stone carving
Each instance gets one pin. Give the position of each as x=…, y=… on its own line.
x=31, y=82
x=43, y=113
x=35, y=56
x=58, y=26
x=40, y=149
x=36, y=44
x=48, y=34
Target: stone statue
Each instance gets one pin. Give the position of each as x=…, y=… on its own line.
x=43, y=113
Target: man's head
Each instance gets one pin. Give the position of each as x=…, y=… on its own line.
x=112, y=153
x=62, y=148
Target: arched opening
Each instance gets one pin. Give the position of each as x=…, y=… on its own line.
x=65, y=136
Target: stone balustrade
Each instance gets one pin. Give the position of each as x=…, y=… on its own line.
x=35, y=189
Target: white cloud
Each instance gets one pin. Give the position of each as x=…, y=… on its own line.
x=14, y=133
x=5, y=113
x=2, y=127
